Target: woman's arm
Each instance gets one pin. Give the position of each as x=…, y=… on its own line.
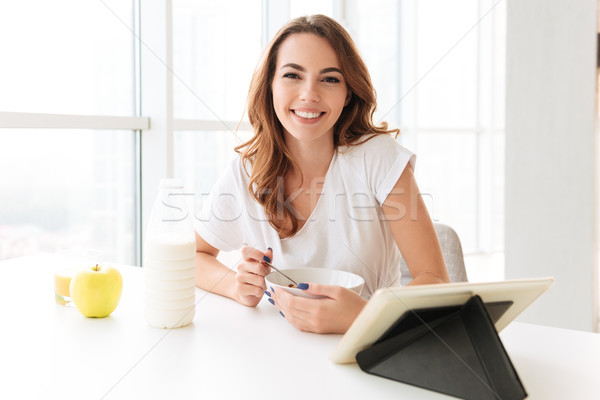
x=246, y=286
x=413, y=231
x=211, y=274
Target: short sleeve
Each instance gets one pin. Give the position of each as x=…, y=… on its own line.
x=385, y=160
x=219, y=219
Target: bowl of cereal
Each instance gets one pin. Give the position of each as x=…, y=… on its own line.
x=316, y=275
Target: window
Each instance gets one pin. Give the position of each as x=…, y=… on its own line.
x=216, y=47
x=66, y=57
x=73, y=139
x=441, y=80
x=67, y=138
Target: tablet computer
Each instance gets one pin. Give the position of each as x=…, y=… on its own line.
x=504, y=300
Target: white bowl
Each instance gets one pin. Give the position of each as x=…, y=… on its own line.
x=316, y=275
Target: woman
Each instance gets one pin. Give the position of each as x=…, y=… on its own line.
x=318, y=185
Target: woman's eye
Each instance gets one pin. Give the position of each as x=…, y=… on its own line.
x=331, y=79
x=291, y=75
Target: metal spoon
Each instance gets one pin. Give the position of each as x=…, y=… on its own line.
x=274, y=267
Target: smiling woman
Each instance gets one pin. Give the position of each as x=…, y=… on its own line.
x=315, y=145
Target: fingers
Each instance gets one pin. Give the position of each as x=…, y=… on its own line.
x=304, y=313
x=253, y=267
x=301, y=323
x=269, y=254
x=296, y=305
x=253, y=261
x=319, y=289
x=250, y=281
x=333, y=313
x=254, y=280
x=298, y=317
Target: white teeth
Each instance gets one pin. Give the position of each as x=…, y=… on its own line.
x=307, y=115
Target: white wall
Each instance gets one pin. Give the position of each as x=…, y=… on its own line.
x=551, y=171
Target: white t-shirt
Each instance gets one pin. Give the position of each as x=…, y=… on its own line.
x=346, y=230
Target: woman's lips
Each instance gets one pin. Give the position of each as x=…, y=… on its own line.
x=307, y=117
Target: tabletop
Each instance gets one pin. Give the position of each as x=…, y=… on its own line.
x=229, y=351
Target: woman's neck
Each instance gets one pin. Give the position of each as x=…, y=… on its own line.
x=312, y=158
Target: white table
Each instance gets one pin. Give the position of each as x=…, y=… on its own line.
x=229, y=351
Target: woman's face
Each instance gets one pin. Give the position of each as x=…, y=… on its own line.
x=309, y=90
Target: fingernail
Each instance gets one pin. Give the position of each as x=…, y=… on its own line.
x=271, y=301
x=281, y=314
x=267, y=293
x=272, y=290
x=303, y=286
x=267, y=259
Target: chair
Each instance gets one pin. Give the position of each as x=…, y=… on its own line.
x=452, y=252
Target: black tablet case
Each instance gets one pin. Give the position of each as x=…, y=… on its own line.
x=453, y=350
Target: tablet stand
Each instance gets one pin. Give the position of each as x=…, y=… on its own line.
x=453, y=350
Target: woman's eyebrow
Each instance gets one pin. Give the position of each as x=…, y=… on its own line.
x=331, y=69
x=302, y=69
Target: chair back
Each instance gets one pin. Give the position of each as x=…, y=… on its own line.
x=452, y=252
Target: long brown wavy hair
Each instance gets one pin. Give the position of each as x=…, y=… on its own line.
x=267, y=152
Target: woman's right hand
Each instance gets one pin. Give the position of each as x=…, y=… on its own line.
x=250, y=283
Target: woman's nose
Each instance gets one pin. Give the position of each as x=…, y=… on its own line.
x=309, y=92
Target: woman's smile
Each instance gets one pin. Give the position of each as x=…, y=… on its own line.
x=307, y=117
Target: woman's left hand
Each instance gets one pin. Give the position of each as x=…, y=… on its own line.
x=332, y=314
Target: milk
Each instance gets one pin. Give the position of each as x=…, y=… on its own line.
x=170, y=246
x=169, y=261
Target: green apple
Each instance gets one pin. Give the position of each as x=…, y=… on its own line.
x=96, y=291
